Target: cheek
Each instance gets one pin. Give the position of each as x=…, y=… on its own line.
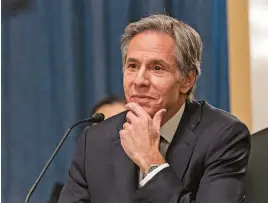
x=126, y=84
x=167, y=91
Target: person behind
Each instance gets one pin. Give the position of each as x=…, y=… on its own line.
x=166, y=147
x=109, y=106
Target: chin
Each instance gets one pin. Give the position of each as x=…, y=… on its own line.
x=149, y=110
x=146, y=105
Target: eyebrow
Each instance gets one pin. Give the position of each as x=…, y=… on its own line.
x=132, y=60
x=160, y=61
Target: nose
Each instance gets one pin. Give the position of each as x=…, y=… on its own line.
x=142, y=78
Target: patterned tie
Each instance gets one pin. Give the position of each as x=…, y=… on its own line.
x=163, y=146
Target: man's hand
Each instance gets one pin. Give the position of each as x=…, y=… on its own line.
x=141, y=135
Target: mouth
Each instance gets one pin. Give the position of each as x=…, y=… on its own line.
x=142, y=97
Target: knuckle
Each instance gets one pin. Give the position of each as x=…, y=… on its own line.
x=126, y=125
x=122, y=133
x=128, y=114
x=130, y=127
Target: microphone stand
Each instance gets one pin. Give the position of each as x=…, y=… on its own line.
x=53, y=156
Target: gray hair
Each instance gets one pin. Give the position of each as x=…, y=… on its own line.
x=188, y=49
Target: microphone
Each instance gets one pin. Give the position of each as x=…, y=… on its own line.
x=95, y=118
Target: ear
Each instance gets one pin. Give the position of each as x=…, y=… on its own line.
x=188, y=82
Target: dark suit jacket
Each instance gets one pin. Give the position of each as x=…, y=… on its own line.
x=257, y=176
x=208, y=157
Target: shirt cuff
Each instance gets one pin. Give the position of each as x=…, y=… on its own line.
x=152, y=174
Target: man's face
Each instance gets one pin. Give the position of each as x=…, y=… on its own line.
x=151, y=77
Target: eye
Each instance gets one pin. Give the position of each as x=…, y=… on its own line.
x=132, y=65
x=157, y=68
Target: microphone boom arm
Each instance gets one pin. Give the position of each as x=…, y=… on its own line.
x=95, y=118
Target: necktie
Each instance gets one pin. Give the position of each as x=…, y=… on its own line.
x=163, y=146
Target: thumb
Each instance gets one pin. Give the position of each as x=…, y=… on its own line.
x=158, y=117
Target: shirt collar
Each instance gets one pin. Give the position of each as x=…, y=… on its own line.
x=168, y=130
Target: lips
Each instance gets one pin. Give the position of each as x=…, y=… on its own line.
x=141, y=98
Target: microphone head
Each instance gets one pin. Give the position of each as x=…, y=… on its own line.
x=98, y=117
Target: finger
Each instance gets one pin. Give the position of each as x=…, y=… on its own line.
x=136, y=109
x=158, y=117
x=125, y=137
x=131, y=117
x=126, y=126
x=122, y=133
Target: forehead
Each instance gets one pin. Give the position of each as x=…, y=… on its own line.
x=151, y=44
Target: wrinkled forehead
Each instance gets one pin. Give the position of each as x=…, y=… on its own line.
x=151, y=46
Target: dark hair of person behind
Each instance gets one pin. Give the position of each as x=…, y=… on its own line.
x=106, y=101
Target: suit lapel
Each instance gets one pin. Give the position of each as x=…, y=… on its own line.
x=125, y=171
x=182, y=145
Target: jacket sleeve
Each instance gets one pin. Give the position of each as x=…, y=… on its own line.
x=75, y=190
x=224, y=171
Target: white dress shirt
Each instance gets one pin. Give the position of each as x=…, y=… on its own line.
x=167, y=131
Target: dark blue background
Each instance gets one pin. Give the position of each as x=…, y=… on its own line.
x=59, y=57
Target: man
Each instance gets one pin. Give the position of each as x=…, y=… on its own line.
x=166, y=147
